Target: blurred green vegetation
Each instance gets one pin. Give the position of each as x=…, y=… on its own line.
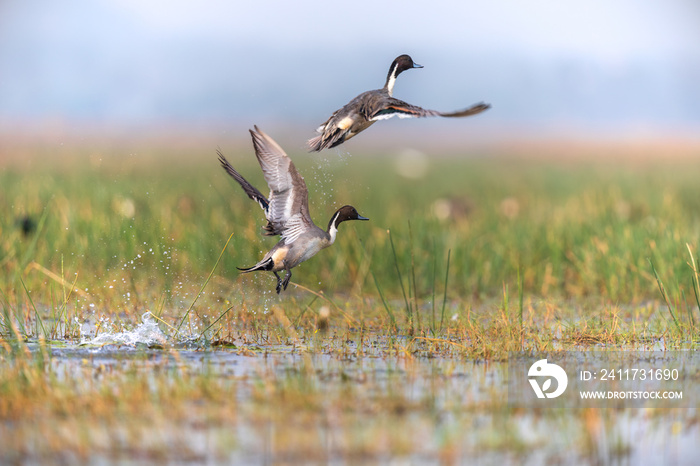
x=145, y=226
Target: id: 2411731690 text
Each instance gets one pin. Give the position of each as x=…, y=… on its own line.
x=629, y=374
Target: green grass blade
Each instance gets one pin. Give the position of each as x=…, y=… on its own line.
x=403, y=290
x=35, y=239
x=392, y=319
x=432, y=300
x=187, y=314
x=413, y=278
x=36, y=313
x=520, y=303
x=201, y=334
x=444, y=297
x=662, y=289
x=696, y=283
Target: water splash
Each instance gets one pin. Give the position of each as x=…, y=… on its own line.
x=147, y=333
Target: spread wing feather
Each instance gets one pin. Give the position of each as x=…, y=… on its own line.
x=249, y=189
x=288, y=210
x=294, y=228
x=252, y=193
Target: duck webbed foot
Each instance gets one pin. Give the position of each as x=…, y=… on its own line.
x=282, y=284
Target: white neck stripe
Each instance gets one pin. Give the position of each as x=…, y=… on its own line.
x=390, y=84
x=333, y=228
x=333, y=231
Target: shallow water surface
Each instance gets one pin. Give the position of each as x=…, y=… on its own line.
x=332, y=398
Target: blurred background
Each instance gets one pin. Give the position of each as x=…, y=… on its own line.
x=588, y=69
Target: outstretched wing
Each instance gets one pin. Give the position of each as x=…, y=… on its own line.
x=249, y=189
x=288, y=210
x=395, y=107
x=252, y=193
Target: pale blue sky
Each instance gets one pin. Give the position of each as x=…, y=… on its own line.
x=545, y=62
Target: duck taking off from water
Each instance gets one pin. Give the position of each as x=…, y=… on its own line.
x=287, y=210
x=362, y=111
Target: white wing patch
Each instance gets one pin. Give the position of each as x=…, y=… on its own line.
x=282, y=195
x=289, y=203
x=384, y=116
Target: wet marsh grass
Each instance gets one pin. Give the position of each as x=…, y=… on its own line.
x=478, y=258
x=570, y=230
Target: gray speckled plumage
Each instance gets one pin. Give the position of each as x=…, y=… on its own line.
x=365, y=109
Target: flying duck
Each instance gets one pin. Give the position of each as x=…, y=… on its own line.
x=362, y=111
x=287, y=210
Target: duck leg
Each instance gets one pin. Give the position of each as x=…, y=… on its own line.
x=286, y=279
x=279, y=283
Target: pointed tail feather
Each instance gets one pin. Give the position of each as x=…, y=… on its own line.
x=266, y=264
x=315, y=144
x=327, y=140
x=473, y=110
